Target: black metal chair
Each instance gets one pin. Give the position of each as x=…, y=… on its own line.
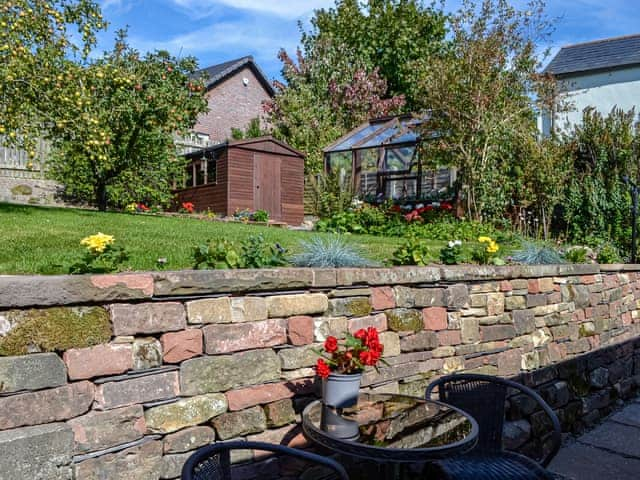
x=483, y=397
x=213, y=462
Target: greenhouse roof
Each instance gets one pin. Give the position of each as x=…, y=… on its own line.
x=386, y=131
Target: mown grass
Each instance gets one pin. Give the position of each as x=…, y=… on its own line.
x=46, y=240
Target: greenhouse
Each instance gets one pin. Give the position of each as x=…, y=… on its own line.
x=381, y=161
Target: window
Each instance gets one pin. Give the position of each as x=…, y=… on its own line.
x=188, y=178
x=212, y=171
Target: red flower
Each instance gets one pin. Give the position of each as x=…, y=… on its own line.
x=143, y=207
x=322, y=369
x=331, y=344
x=446, y=206
x=188, y=206
x=361, y=334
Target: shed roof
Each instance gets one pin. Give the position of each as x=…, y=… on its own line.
x=605, y=54
x=385, y=131
x=220, y=72
x=244, y=142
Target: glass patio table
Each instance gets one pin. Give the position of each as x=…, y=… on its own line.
x=389, y=428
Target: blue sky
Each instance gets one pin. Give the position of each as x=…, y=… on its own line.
x=218, y=30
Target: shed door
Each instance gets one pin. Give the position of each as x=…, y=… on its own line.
x=266, y=184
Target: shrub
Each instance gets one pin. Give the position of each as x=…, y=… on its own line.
x=487, y=252
x=260, y=216
x=608, y=253
x=452, y=253
x=577, y=254
x=533, y=254
x=413, y=251
x=253, y=253
x=331, y=252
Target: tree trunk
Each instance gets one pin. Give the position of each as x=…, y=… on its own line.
x=101, y=197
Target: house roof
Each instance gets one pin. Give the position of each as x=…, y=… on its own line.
x=216, y=74
x=609, y=53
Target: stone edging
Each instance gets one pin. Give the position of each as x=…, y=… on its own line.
x=25, y=291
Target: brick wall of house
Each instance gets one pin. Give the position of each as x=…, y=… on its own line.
x=123, y=376
x=232, y=105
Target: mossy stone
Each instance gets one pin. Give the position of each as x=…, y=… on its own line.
x=22, y=190
x=359, y=307
x=404, y=320
x=54, y=329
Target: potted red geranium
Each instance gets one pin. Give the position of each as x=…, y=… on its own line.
x=341, y=365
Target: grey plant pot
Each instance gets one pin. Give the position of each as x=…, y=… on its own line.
x=337, y=426
x=340, y=390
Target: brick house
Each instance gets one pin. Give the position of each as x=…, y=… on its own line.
x=235, y=92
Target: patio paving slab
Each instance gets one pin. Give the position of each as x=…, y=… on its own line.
x=611, y=450
x=584, y=462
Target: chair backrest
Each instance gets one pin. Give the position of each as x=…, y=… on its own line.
x=481, y=398
x=213, y=462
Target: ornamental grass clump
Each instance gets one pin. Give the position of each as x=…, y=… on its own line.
x=332, y=252
x=361, y=349
x=533, y=254
x=101, y=255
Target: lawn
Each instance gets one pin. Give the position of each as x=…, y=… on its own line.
x=46, y=240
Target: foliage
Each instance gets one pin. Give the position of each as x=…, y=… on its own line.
x=114, y=125
x=328, y=90
x=603, y=149
x=413, y=251
x=536, y=254
x=577, y=254
x=37, y=39
x=387, y=35
x=360, y=349
x=252, y=253
x=329, y=195
x=218, y=254
x=260, y=216
x=608, y=253
x=479, y=92
x=253, y=130
x=330, y=252
x=101, y=255
x=452, y=253
x=255, y=253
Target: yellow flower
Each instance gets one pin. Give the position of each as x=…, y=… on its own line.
x=493, y=247
x=97, y=243
x=485, y=239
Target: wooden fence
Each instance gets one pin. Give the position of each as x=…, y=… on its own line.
x=17, y=163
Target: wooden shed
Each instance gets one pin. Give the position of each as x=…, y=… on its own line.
x=255, y=174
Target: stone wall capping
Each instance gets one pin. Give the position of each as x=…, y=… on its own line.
x=41, y=290
x=620, y=267
x=33, y=291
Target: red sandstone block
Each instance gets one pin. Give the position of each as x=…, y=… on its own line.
x=378, y=321
x=449, y=337
x=233, y=337
x=533, y=285
x=179, y=346
x=270, y=392
x=300, y=330
x=382, y=298
x=108, y=359
x=588, y=279
x=588, y=313
x=290, y=435
x=594, y=341
x=505, y=286
x=578, y=316
x=434, y=318
x=611, y=281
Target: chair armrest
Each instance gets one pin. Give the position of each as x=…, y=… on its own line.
x=556, y=436
x=219, y=447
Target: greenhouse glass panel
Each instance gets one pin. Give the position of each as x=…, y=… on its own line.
x=398, y=159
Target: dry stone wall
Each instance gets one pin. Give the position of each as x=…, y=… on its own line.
x=123, y=376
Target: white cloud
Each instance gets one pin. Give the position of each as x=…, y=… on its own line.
x=290, y=9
